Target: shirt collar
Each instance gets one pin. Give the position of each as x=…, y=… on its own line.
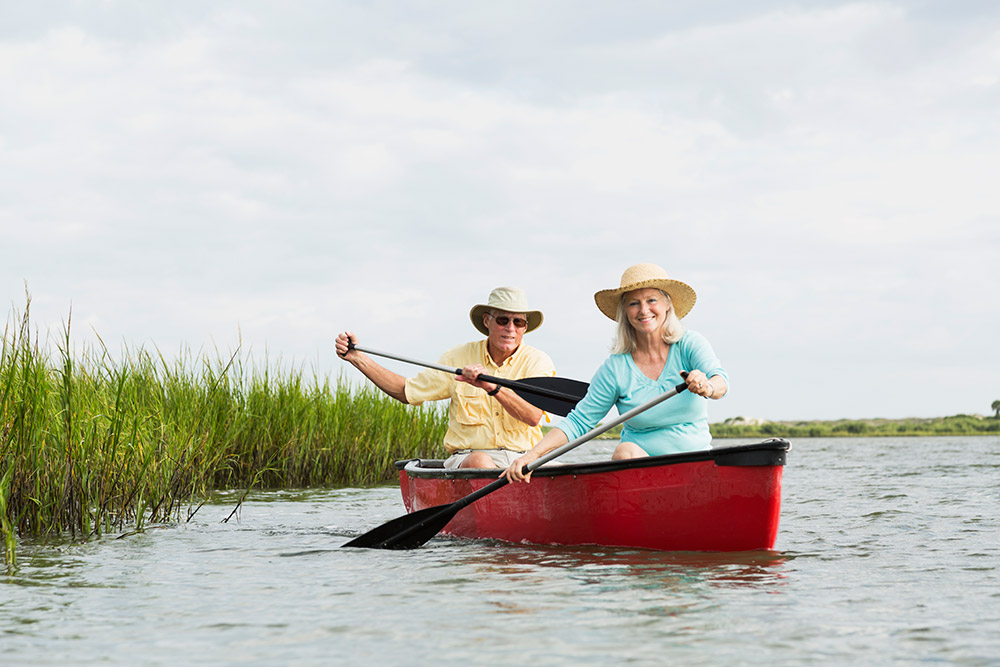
x=488, y=360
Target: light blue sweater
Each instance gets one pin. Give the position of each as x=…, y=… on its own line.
x=679, y=424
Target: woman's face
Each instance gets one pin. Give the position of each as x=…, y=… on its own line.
x=646, y=309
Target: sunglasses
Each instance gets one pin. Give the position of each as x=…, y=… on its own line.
x=503, y=320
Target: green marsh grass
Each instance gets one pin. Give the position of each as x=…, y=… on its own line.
x=91, y=443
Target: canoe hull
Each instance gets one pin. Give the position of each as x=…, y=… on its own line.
x=726, y=499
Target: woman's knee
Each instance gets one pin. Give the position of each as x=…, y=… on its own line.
x=628, y=450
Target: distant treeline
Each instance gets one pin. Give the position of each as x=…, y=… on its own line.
x=954, y=425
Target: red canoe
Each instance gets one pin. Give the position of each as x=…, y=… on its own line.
x=723, y=499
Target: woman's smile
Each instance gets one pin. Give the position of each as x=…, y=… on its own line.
x=646, y=309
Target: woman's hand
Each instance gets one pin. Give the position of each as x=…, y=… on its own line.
x=550, y=441
x=699, y=384
x=515, y=471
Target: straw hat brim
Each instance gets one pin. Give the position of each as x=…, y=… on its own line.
x=682, y=295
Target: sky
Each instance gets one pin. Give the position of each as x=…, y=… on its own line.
x=262, y=176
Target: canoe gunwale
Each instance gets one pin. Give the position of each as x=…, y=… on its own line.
x=767, y=453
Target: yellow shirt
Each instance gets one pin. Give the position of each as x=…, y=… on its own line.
x=475, y=420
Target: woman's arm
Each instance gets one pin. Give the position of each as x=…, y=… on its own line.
x=709, y=387
x=602, y=394
x=706, y=376
x=719, y=387
x=552, y=440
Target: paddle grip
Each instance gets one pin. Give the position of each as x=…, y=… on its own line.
x=350, y=346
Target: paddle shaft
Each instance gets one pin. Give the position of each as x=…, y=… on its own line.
x=510, y=384
x=604, y=428
x=431, y=523
x=571, y=445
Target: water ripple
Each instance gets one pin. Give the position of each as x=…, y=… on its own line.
x=884, y=550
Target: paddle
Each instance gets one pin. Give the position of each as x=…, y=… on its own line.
x=413, y=530
x=552, y=394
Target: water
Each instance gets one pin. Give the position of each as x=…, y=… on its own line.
x=887, y=553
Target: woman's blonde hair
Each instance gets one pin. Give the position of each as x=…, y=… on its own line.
x=625, y=340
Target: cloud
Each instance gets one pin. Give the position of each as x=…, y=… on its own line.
x=821, y=175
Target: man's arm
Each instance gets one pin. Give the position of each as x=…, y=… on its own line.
x=518, y=408
x=391, y=383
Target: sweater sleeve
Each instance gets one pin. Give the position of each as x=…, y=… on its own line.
x=592, y=408
x=699, y=354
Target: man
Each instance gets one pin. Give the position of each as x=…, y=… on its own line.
x=488, y=425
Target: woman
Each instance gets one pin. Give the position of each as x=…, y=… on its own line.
x=651, y=350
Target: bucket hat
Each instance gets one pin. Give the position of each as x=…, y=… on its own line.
x=509, y=299
x=640, y=276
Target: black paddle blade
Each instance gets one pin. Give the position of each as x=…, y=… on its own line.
x=560, y=394
x=408, y=531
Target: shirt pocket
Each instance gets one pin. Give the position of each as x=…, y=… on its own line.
x=469, y=406
x=510, y=425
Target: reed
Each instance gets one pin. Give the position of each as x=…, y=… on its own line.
x=90, y=443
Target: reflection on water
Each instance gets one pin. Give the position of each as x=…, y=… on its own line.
x=632, y=568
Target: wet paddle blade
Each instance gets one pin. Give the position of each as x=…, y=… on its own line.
x=560, y=394
x=408, y=531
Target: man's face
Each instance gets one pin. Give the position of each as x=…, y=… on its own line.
x=506, y=330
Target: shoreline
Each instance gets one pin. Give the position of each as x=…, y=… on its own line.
x=875, y=427
x=740, y=427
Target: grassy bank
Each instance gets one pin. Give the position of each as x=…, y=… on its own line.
x=954, y=425
x=91, y=443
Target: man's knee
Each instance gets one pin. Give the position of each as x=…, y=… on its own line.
x=478, y=460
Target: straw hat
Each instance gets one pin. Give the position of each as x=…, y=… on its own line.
x=647, y=275
x=509, y=299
